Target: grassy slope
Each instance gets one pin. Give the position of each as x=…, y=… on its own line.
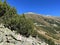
x=50, y=28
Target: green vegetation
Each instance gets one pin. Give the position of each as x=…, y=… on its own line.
x=19, y=23
x=13, y=21
x=49, y=41
x=49, y=29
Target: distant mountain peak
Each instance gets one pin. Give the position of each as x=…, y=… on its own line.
x=30, y=13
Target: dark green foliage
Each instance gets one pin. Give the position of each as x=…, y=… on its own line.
x=52, y=35
x=34, y=34
x=21, y=25
x=10, y=19
x=13, y=21
x=49, y=29
x=49, y=41
x=25, y=26
x=50, y=21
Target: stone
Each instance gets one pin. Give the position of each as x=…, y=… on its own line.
x=8, y=37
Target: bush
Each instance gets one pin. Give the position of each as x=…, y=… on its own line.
x=21, y=25
x=13, y=21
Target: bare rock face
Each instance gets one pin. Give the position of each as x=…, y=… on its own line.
x=8, y=37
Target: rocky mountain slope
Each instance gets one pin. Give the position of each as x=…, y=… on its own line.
x=28, y=28
x=8, y=37
x=48, y=26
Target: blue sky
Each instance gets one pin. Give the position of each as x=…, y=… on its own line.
x=46, y=7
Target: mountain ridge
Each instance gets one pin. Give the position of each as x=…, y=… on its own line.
x=31, y=24
x=50, y=25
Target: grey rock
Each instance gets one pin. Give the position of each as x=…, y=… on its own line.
x=8, y=37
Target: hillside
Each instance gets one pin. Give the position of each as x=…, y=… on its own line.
x=48, y=26
x=8, y=37
x=34, y=29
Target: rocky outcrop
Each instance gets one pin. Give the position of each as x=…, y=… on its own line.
x=8, y=37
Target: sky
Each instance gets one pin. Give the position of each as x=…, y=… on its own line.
x=45, y=7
